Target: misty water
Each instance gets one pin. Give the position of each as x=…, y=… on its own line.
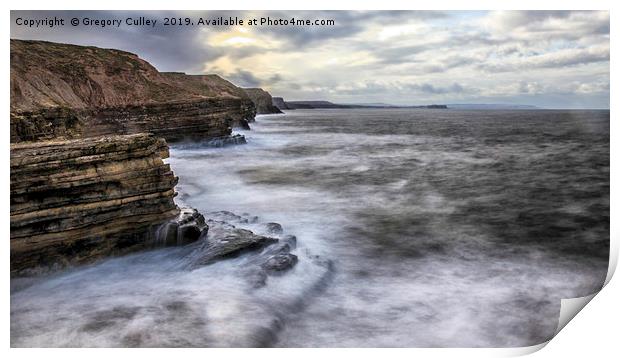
x=415, y=228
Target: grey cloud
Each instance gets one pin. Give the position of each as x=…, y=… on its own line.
x=558, y=59
x=401, y=54
x=293, y=86
x=432, y=89
x=168, y=48
x=347, y=24
x=551, y=25
x=275, y=78
x=244, y=79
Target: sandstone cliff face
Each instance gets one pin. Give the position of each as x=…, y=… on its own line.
x=262, y=100
x=78, y=200
x=77, y=91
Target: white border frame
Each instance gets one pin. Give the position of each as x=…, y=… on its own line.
x=594, y=331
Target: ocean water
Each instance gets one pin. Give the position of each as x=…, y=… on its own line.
x=415, y=228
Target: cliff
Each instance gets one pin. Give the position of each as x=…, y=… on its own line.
x=77, y=200
x=280, y=103
x=77, y=91
x=262, y=100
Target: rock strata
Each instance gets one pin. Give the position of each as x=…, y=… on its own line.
x=69, y=91
x=78, y=200
x=262, y=100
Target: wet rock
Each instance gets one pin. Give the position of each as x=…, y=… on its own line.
x=279, y=263
x=290, y=240
x=283, y=246
x=228, y=243
x=188, y=234
x=251, y=218
x=189, y=215
x=273, y=260
x=221, y=224
x=274, y=228
x=224, y=141
x=227, y=216
x=266, y=255
x=189, y=226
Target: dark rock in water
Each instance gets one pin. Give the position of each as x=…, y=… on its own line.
x=189, y=226
x=190, y=215
x=189, y=233
x=227, y=216
x=228, y=243
x=274, y=228
x=274, y=260
x=266, y=255
x=290, y=240
x=250, y=218
x=283, y=246
x=279, y=263
x=226, y=141
x=220, y=224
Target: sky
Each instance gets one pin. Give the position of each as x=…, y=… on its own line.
x=550, y=59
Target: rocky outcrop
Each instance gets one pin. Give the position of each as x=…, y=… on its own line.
x=69, y=91
x=262, y=100
x=229, y=242
x=78, y=200
x=280, y=103
x=188, y=227
x=267, y=252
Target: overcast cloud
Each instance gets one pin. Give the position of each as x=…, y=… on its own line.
x=552, y=59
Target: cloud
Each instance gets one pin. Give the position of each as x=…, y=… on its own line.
x=405, y=57
x=244, y=79
x=547, y=26
x=432, y=89
x=556, y=59
x=275, y=78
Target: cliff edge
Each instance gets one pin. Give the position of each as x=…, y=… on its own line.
x=262, y=100
x=73, y=201
x=62, y=90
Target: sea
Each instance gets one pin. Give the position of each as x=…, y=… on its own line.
x=414, y=227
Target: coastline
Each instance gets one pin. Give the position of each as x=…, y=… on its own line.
x=160, y=209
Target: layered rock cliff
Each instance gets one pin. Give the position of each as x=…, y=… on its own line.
x=76, y=91
x=280, y=103
x=262, y=100
x=74, y=201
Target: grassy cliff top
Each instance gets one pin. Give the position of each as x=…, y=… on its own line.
x=47, y=74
